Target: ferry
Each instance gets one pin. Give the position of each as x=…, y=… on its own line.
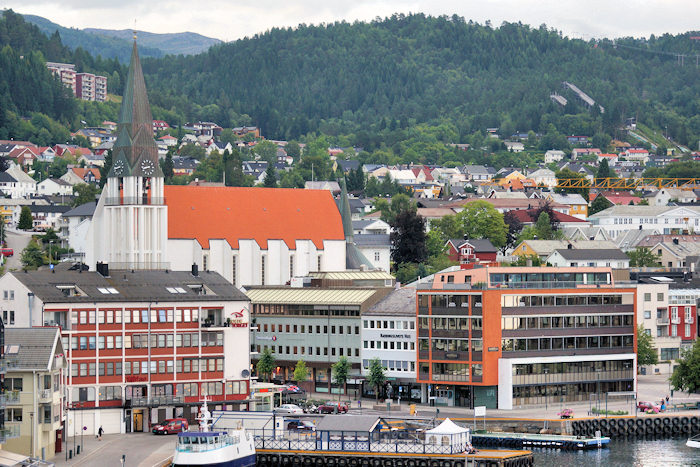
x=693, y=442
x=231, y=448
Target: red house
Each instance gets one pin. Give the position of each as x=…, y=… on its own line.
x=469, y=253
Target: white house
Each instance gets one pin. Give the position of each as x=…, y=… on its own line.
x=595, y=257
x=665, y=195
x=514, y=146
x=16, y=183
x=553, y=155
x=544, y=177
x=666, y=219
x=54, y=186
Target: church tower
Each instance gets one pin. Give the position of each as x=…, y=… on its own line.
x=129, y=227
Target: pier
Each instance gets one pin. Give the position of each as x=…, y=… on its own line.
x=532, y=440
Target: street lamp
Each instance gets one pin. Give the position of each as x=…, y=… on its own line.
x=546, y=380
x=50, y=259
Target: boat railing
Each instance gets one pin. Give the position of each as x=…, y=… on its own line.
x=210, y=443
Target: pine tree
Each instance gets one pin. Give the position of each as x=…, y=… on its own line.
x=25, y=219
x=270, y=176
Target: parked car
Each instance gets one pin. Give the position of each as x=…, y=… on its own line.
x=566, y=413
x=643, y=406
x=289, y=408
x=333, y=407
x=7, y=252
x=170, y=426
x=300, y=425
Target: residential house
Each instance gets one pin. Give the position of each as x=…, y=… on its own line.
x=74, y=227
x=376, y=248
x=471, y=252
x=160, y=125
x=218, y=146
x=514, y=146
x=54, y=186
x=168, y=141
x=544, y=248
x=578, y=140
x=598, y=257
x=206, y=129
x=478, y=173
x=578, y=168
x=24, y=157
x=46, y=154
x=664, y=196
x=585, y=233
x=346, y=165
x=47, y=216
x=636, y=154
x=241, y=131
x=553, y=155
x=504, y=204
x=92, y=160
x=370, y=226
x=579, y=152
x=611, y=158
x=578, y=206
x=23, y=185
x=256, y=169
x=529, y=217
x=543, y=177
x=631, y=239
x=618, y=198
x=111, y=126
x=500, y=194
x=11, y=209
x=184, y=165
x=402, y=176
x=76, y=175
x=35, y=365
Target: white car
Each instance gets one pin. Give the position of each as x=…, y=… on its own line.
x=289, y=408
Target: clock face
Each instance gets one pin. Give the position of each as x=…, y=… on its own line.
x=119, y=167
x=147, y=167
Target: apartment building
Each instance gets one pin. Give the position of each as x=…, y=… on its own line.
x=65, y=72
x=617, y=220
x=141, y=345
x=507, y=337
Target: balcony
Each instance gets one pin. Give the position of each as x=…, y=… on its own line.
x=134, y=200
x=675, y=321
x=45, y=395
x=9, y=432
x=662, y=321
x=9, y=398
x=156, y=400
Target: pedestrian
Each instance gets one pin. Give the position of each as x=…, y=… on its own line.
x=99, y=433
x=666, y=399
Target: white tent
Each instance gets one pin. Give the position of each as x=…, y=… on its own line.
x=448, y=433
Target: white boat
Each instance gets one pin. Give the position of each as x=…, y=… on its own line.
x=693, y=442
x=230, y=448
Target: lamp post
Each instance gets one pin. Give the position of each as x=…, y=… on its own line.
x=546, y=380
x=50, y=259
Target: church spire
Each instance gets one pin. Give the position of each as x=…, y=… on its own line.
x=135, y=152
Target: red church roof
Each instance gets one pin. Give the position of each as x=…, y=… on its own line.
x=260, y=214
x=528, y=216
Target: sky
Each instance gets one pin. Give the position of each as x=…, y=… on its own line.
x=228, y=20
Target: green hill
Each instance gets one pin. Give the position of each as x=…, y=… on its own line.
x=186, y=43
x=95, y=44
x=343, y=78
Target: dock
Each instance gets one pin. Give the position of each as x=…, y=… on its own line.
x=483, y=458
x=531, y=440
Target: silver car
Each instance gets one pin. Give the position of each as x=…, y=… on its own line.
x=289, y=408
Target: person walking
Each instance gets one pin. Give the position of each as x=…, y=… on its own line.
x=100, y=431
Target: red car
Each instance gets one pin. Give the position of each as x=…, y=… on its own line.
x=170, y=426
x=644, y=406
x=333, y=407
x=7, y=252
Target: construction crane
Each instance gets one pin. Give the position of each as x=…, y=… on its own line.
x=629, y=183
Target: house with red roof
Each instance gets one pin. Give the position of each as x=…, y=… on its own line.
x=636, y=154
x=24, y=156
x=618, y=198
x=76, y=175
x=611, y=158
x=159, y=125
x=529, y=217
x=254, y=236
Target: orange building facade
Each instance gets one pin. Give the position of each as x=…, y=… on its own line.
x=507, y=337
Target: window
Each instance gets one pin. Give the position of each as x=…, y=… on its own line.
x=205, y=261
x=647, y=297
x=318, y=263
x=647, y=314
x=660, y=297
x=291, y=266
x=262, y=270
x=376, y=256
x=687, y=330
x=13, y=415
x=234, y=276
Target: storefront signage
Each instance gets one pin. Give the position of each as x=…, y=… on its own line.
x=395, y=336
x=136, y=379
x=451, y=355
x=493, y=349
x=266, y=338
x=237, y=319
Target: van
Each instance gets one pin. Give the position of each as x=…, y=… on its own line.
x=170, y=426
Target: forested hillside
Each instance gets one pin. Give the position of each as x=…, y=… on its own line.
x=346, y=77
x=186, y=43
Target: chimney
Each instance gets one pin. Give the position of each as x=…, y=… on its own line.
x=569, y=246
x=640, y=227
x=103, y=269
x=675, y=241
x=195, y=270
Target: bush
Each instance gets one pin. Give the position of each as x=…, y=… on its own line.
x=608, y=412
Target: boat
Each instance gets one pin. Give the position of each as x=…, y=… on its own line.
x=693, y=442
x=206, y=446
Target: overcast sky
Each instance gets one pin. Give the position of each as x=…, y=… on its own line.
x=228, y=20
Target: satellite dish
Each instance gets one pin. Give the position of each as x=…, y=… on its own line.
x=245, y=373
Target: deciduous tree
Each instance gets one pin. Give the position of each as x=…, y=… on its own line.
x=686, y=374
x=340, y=370
x=301, y=372
x=266, y=364
x=376, y=377
x=646, y=353
x=643, y=257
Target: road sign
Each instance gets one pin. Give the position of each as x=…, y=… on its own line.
x=480, y=411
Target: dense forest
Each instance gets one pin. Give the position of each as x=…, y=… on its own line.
x=345, y=78
x=402, y=88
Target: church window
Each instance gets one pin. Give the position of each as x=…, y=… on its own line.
x=318, y=263
x=291, y=266
x=262, y=270
x=233, y=270
x=204, y=262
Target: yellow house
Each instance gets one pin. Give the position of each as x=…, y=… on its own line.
x=578, y=206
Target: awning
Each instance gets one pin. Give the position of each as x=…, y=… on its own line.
x=11, y=459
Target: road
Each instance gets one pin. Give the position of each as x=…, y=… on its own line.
x=18, y=241
x=140, y=449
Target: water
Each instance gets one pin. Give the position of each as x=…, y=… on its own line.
x=624, y=453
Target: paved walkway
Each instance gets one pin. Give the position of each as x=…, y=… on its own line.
x=141, y=449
